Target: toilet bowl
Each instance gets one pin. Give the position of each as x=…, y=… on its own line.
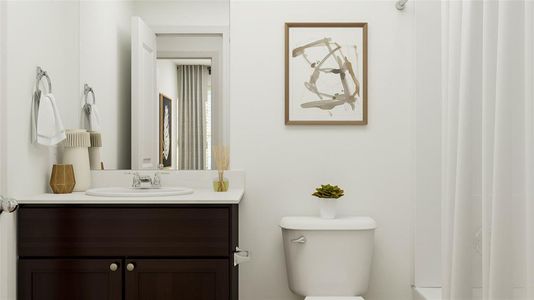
x=328, y=259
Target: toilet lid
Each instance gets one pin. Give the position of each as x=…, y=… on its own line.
x=333, y=298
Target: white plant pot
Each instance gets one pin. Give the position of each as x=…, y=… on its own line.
x=327, y=208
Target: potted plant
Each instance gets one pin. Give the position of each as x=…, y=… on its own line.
x=328, y=195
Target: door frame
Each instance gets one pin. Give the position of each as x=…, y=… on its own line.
x=224, y=64
x=144, y=132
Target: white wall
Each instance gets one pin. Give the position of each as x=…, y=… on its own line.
x=105, y=66
x=36, y=33
x=3, y=114
x=168, y=85
x=7, y=228
x=428, y=146
x=183, y=12
x=46, y=34
x=189, y=43
x=167, y=78
x=373, y=163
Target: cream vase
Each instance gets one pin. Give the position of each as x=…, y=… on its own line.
x=76, y=153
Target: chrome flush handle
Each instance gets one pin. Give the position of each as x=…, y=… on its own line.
x=240, y=256
x=299, y=240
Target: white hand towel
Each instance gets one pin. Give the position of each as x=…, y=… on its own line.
x=35, y=111
x=91, y=117
x=50, y=130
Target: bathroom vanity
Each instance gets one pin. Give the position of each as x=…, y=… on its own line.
x=76, y=246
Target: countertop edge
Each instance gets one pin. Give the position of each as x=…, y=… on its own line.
x=233, y=196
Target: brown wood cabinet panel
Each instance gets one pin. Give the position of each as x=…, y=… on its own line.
x=234, y=237
x=179, y=252
x=178, y=279
x=69, y=279
x=103, y=231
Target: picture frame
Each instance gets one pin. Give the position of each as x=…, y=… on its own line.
x=319, y=88
x=165, y=131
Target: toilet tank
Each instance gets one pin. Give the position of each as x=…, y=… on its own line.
x=328, y=257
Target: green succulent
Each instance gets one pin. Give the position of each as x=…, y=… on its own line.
x=328, y=191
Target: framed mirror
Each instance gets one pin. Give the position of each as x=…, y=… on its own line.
x=160, y=76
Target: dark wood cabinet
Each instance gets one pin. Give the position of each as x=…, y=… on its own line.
x=131, y=252
x=192, y=279
x=70, y=279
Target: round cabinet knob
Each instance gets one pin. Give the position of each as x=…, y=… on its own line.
x=113, y=267
x=130, y=267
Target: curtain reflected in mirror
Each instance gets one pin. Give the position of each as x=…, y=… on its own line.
x=188, y=83
x=194, y=117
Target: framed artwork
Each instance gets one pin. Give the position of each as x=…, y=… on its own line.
x=326, y=73
x=165, y=131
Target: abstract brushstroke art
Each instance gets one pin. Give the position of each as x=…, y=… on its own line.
x=326, y=73
x=165, y=131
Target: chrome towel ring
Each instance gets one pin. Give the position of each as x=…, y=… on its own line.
x=86, y=91
x=40, y=75
x=401, y=4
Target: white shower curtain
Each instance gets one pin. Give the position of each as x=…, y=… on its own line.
x=488, y=149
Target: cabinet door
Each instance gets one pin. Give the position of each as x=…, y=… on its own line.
x=178, y=279
x=70, y=279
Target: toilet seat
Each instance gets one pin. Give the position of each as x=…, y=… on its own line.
x=334, y=298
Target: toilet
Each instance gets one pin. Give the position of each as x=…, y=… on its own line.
x=328, y=259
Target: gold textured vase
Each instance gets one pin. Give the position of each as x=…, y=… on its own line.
x=62, y=180
x=220, y=185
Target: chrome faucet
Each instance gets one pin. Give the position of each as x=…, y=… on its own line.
x=145, y=181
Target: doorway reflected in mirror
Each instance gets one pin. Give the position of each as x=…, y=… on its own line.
x=188, y=80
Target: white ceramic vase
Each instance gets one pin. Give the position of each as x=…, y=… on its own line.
x=76, y=153
x=327, y=208
x=95, y=159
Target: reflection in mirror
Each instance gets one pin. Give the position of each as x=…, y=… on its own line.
x=159, y=70
x=185, y=83
x=185, y=93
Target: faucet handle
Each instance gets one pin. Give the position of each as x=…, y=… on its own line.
x=156, y=182
x=136, y=179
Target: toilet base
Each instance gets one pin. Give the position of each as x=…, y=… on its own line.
x=334, y=298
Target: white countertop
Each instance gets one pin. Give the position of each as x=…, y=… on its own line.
x=199, y=196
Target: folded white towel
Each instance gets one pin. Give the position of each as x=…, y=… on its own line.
x=91, y=117
x=48, y=127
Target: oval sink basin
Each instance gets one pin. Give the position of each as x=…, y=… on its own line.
x=138, y=192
